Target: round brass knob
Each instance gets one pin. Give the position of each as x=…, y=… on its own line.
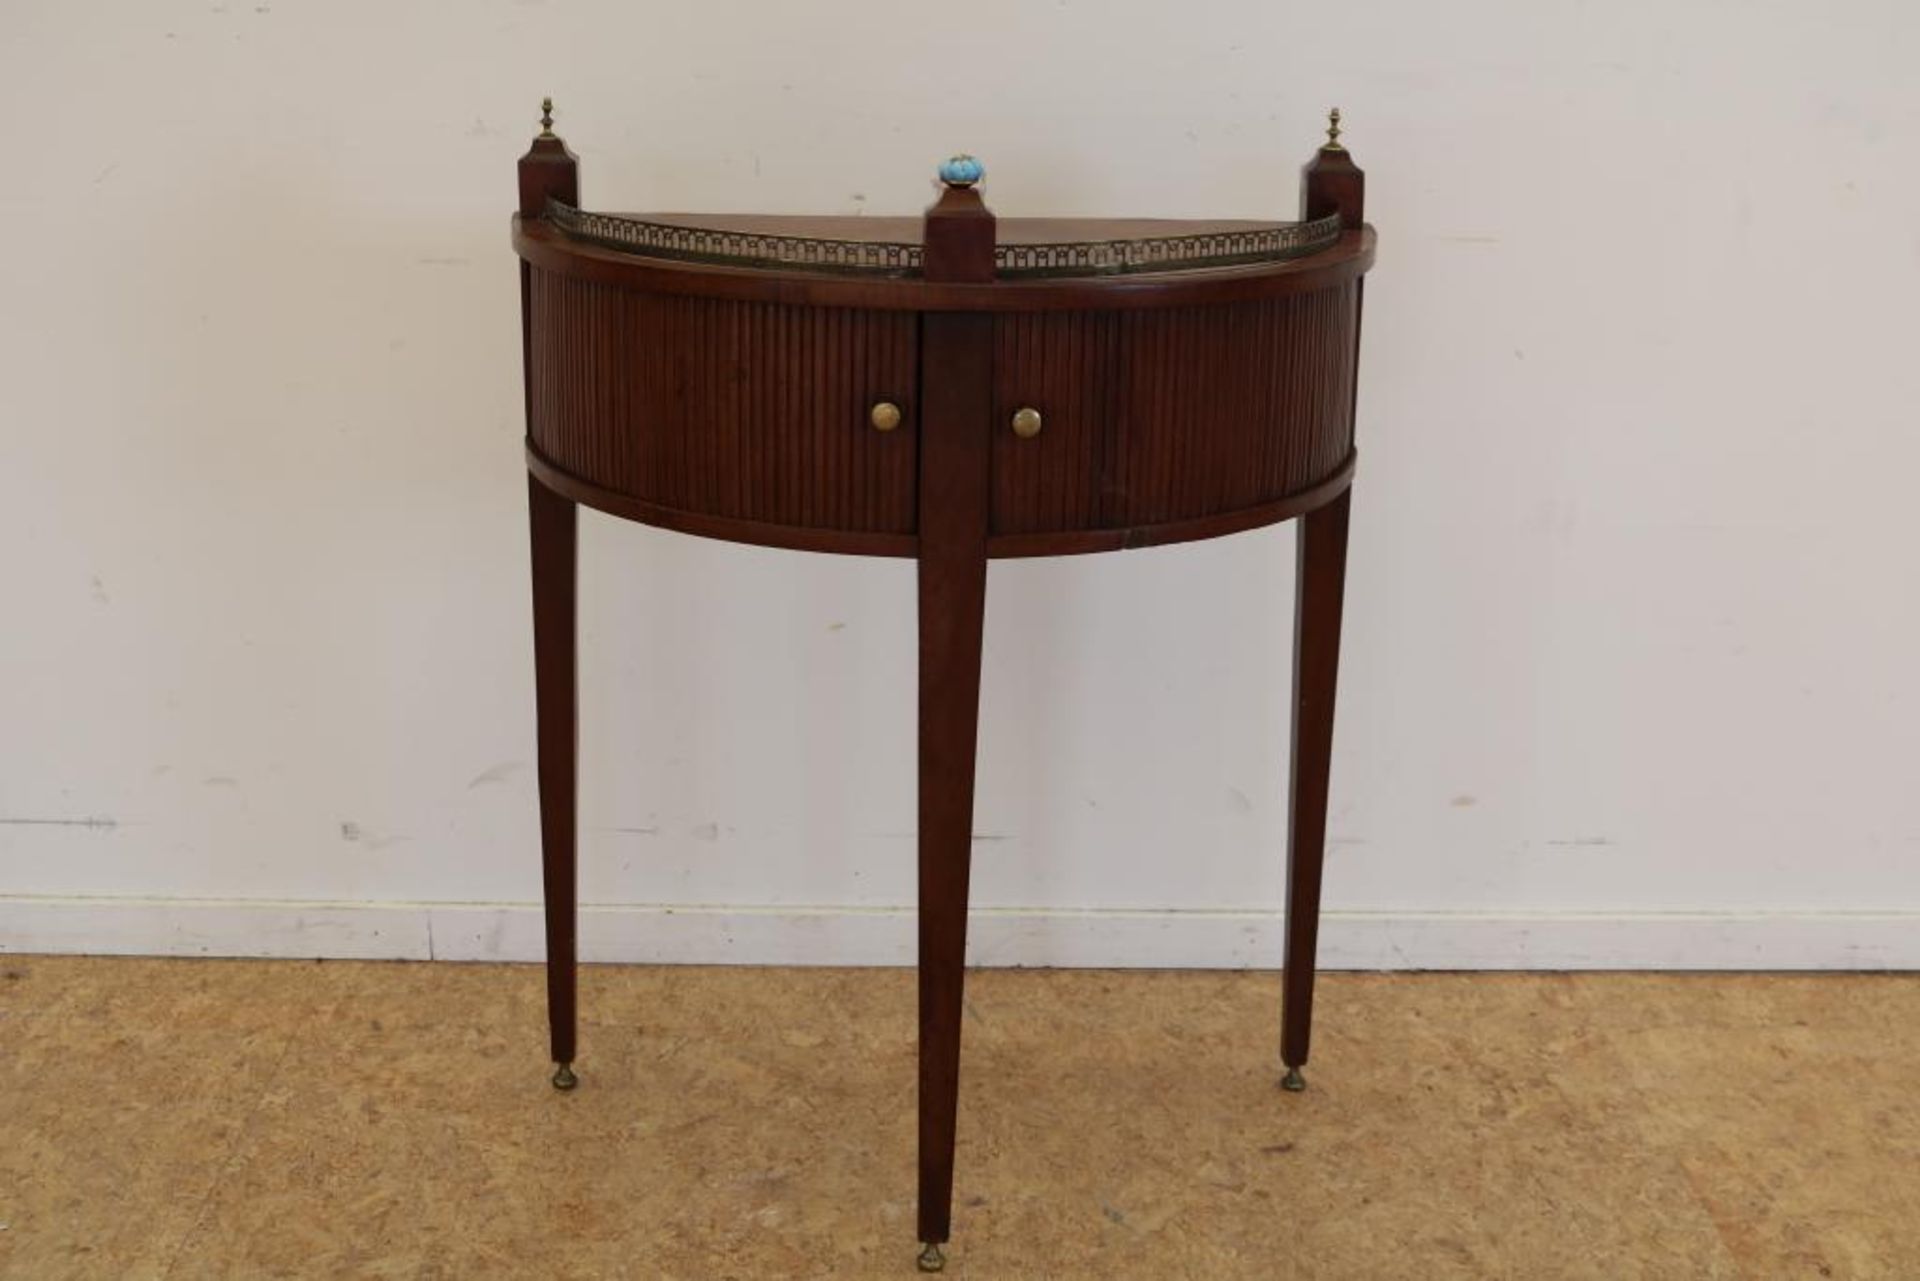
x=1026, y=422
x=884, y=416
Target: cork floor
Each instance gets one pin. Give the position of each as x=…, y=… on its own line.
x=185, y=1119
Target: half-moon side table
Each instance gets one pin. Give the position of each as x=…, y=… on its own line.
x=952, y=389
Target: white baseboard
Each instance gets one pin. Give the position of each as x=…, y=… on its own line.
x=721, y=935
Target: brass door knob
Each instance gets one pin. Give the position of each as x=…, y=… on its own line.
x=884, y=416
x=1026, y=422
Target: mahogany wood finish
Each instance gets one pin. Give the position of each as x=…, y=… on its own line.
x=550, y=171
x=690, y=411
x=1155, y=417
x=554, y=528
x=1331, y=183
x=735, y=401
x=1319, y=590
x=1067, y=363
x=550, y=249
x=738, y=410
x=956, y=426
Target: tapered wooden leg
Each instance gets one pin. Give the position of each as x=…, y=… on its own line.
x=954, y=447
x=553, y=523
x=952, y=601
x=1320, y=586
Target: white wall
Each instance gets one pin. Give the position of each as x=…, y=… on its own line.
x=1633, y=614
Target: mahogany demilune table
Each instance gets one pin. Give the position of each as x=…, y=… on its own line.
x=953, y=389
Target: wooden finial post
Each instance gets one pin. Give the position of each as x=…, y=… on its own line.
x=959, y=235
x=548, y=170
x=1332, y=183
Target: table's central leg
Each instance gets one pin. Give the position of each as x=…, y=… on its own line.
x=954, y=444
x=951, y=604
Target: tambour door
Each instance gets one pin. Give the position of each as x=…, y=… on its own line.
x=1059, y=365
x=1155, y=415
x=742, y=409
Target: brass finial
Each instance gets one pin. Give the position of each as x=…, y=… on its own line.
x=1333, y=131
x=546, y=117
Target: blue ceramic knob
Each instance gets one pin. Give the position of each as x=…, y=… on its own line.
x=962, y=171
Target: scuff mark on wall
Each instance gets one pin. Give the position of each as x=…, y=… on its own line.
x=496, y=774
x=354, y=833
x=97, y=822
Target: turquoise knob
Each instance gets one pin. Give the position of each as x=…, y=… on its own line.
x=962, y=171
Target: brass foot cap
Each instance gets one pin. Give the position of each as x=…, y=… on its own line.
x=1293, y=1080
x=563, y=1077
x=932, y=1258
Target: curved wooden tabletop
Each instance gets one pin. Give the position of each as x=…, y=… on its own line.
x=552, y=249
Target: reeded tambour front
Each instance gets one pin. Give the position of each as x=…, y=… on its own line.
x=747, y=411
x=1176, y=414
x=1174, y=406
